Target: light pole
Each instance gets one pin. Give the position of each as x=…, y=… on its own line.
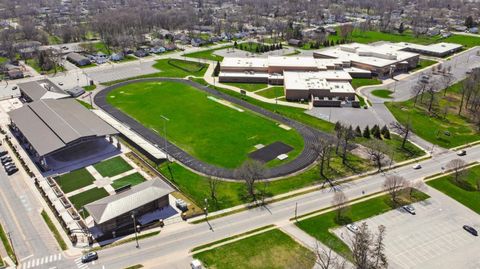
x=135, y=228
x=165, y=119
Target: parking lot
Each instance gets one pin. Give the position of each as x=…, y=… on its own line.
x=433, y=238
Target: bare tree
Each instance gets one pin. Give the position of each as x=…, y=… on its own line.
x=457, y=166
x=324, y=150
x=403, y=131
x=416, y=185
x=348, y=135
x=213, y=184
x=377, y=151
x=378, y=251
x=393, y=185
x=368, y=250
x=326, y=258
x=251, y=171
x=339, y=202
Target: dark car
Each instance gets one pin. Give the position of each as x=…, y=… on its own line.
x=470, y=229
x=12, y=171
x=90, y=256
x=3, y=153
x=6, y=160
x=8, y=165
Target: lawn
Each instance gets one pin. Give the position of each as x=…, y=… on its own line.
x=271, y=249
x=6, y=244
x=423, y=63
x=54, y=230
x=87, y=66
x=382, y=93
x=294, y=113
x=466, y=193
x=207, y=54
x=271, y=92
x=360, y=82
x=179, y=68
x=320, y=226
x=86, y=197
x=85, y=104
x=112, y=167
x=249, y=87
x=34, y=64
x=433, y=126
x=205, y=127
x=361, y=100
x=133, y=179
x=231, y=194
x=395, y=145
x=74, y=180
x=90, y=88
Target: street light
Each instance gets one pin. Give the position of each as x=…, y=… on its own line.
x=165, y=119
x=135, y=228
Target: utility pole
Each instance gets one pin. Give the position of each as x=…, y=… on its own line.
x=165, y=119
x=135, y=229
x=11, y=242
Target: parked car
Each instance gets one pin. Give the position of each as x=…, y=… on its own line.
x=90, y=256
x=196, y=264
x=410, y=209
x=8, y=165
x=4, y=157
x=352, y=227
x=417, y=166
x=462, y=152
x=470, y=229
x=12, y=171
x=3, y=153
x=6, y=160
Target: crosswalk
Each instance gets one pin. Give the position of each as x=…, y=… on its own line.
x=25, y=202
x=80, y=265
x=35, y=262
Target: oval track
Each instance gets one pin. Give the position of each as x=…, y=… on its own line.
x=306, y=157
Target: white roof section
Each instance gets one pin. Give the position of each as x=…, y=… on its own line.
x=118, y=204
x=253, y=62
x=304, y=81
x=279, y=61
x=379, y=56
x=341, y=87
x=134, y=137
x=440, y=48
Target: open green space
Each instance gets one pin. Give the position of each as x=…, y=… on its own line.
x=90, y=88
x=466, y=191
x=360, y=82
x=249, y=87
x=179, y=68
x=448, y=130
x=207, y=54
x=133, y=179
x=394, y=145
x=34, y=64
x=6, y=244
x=54, y=230
x=231, y=194
x=3, y=60
x=320, y=226
x=74, y=180
x=271, y=249
x=271, y=92
x=127, y=58
x=85, y=104
x=423, y=63
x=294, y=113
x=86, y=197
x=87, y=66
x=210, y=129
x=361, y=100
x=112, y=167
x=383, y=93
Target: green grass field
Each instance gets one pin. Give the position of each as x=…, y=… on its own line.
x=395, y=146
x=205, y=128
x=34, y=64
x=90, y=88
x=249, y=87
x=423, y=63
x=466, y=193
x=271, y=92
x=54, y=230
x=360, y=82
x=320, y=226
x=297, y=114
x=74, y=180
x=6, y=244
x=85, y=104
x=179, y=68
x=271, y=249
x=230, y=194
x=86, y=197
x=382, y=93
x=133, y=179
x=207, y=54
x=432, y=126
x=112, y=167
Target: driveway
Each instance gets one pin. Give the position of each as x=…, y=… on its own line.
x=433, y=238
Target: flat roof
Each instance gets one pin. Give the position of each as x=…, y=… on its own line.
x=253, y=62
x=279, y=61
x=304, y=81
x=442, y=47
x=42, y=89
x=127, y=201
x=381, y=55
x=50, y=125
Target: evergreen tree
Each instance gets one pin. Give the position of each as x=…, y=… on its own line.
x=332, y=43
x=366, y=132
x=235, y=44
x=401, y=28
x=385, y=132
x=376, y=133
x=216, y=71
x=358, y=131
x=281, y=46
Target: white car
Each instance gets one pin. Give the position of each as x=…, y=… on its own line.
x=461, y=152
x=352, y=227
x=417, y=166
x=196, y=264
x=410, y=209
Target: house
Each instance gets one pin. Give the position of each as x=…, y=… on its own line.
x=15, y=74
x=116, y=57
x=157, y=50
x=295, y=42
x=76, y=91
x=78, y=59
x=197, y=42
x=141, y=53
x=473, y=30
x=170, y=47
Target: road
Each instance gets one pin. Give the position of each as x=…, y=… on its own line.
x=170, y=248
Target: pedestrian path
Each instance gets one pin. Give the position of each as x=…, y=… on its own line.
x=80, y=264
x=37, y=262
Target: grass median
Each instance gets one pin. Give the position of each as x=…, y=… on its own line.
x=6, y=244
x=54, y=230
